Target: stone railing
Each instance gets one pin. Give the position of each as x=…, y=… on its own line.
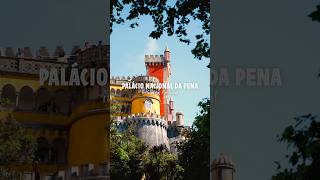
x=28, y=66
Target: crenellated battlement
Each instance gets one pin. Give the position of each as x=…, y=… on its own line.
x=154, y=59
x=141, y=118
x=41, y=53
x=119, y=80
x=25, y=60
x=146, y=79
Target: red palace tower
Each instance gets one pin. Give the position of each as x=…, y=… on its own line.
x=159, y=66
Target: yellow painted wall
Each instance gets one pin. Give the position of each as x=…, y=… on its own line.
x=138, y=100
x=88, y=141
x=88, y=135
x=19, y=82
x=41, y=118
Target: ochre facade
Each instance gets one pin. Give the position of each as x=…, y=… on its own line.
x=70, y=122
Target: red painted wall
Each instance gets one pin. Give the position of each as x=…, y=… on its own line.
x=157, y=71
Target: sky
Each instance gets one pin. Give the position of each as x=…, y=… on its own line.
x=129, y=46
x=52, y=23
x=246, y=120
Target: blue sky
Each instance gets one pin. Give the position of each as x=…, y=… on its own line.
x=128, y=47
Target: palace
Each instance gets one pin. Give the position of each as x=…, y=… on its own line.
x=143, y=101
x=70, y=122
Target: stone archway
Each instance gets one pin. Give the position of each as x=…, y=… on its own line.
x=43, y=150
x=26, y=98
x=61, y=102
x=59, y=151
x=9, y=93
x=43, y=100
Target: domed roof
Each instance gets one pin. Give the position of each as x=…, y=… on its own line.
x=223, y=161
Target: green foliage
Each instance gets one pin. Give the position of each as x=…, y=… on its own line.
x=161, y=164
x=315, y=15
x=194, y=154
x=131, y=159
x=127, y=154
x=114, y=108
x=303, y=140
x=16, y=146
x=170, y=18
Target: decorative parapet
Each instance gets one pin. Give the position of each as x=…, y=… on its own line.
x=154, y=59
x=23, y=61
x=117, y=80
x=141, y=118
x=29, y=66
x=145, y=79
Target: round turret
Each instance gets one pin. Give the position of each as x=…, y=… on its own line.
x=223, y=168
x=179, y=119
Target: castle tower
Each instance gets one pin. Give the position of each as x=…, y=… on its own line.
x=223, y=168
x=159, y=66
x=170, y=112
x=179, y=119
x=146, y=101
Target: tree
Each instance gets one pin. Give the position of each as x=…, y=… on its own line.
x=16, y=145
x=161, y=164
x=132, y=159
x=303, y=140
x=127, y=154
x=168, y=18
x=315, y=15
x=194, y=154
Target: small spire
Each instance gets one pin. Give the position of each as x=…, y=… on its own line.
x=167, y=49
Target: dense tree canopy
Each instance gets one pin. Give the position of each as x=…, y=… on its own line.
x=195, y=153
x=17, y=146
x=161, y=164
x=315, y=15
x=127, y=153
x=169, y=17
x=303, y=140
x=132, y=159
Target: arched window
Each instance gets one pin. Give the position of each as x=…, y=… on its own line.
x=128, y=109
x=148, y=104
x=42, y=153
x=112, y=92
x=9, y=93
x=59, y=151
x=26, y=98
x=43, y=100
x=61, y=103
x=118, y=92
x=123, y=109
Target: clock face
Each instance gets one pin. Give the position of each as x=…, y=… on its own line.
x=148, y=104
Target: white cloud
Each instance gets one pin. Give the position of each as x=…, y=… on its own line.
x=152, y=47
x=135, y=63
